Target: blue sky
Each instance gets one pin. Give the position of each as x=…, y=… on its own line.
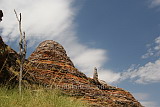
x=123, y=28
x=120, y=37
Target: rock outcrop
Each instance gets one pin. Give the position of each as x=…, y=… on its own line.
x=9, y=64
x=50, y=51
x=53, y=68
x=50, y=67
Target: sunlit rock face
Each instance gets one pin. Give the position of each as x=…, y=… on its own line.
x=51, y=64
x=50, y=67
x=50, y=51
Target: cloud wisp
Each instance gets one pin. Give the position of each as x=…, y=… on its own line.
x=154, y=49
x=148, y=73
x=53, y=19
x=154, y=3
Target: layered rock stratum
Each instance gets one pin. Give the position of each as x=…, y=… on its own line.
x=50, y=67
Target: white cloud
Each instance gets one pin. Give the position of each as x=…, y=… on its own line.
x=109, y=76
x=157, y=47
x=149, y=53
x=149, y=73
x=154, y=49
x=41, y=19
x=154, y=3
x=52, y=19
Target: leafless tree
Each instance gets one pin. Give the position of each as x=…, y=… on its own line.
x=22, y=48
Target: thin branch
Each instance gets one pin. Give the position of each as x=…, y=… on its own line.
x=22, y=48
x=16, y=15
x=25, y=44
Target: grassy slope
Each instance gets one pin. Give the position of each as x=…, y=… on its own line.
x=38, y=98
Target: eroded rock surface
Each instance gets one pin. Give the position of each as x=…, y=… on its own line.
x=50, y=67
x=50, y=51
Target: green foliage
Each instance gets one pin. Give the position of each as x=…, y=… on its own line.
x=37, y=98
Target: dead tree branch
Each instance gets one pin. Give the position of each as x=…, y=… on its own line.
x=22, y=48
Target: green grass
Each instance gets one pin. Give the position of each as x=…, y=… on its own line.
x=38, y=98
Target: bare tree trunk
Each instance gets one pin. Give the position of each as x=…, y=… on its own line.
x=22, y=48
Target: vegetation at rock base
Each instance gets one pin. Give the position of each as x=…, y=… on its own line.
x=49, y=65
x=37, y=98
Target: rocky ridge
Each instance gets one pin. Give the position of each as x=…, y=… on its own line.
x=50, y=67
x=9, y=64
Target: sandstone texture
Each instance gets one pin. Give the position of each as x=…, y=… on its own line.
x=50, y=51
x=50, y=67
